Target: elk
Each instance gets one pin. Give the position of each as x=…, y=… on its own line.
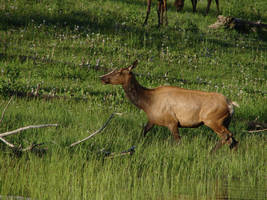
x=180, y=5
x=175, y=107
x=162, y=7
x=162, y=10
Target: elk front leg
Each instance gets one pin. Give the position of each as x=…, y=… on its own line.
x=147, y=12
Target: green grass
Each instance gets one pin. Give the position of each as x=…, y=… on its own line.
x=60, y=44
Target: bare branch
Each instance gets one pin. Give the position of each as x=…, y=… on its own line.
x=257, y=131
x=7, y=143
x=98, y=131
x=25, y=128
x=3, y=113
x=31, y=147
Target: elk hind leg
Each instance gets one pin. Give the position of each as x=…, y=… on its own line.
x=225, y=135
x=174, y=130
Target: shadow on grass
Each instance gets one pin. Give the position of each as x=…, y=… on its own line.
x=114, y=23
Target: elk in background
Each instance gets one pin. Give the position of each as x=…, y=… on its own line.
x=175, y=107
x=179, y=4
x=162, y=11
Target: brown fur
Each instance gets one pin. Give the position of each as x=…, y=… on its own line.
x=162, y=11
x=175, y=107
x=180, y=5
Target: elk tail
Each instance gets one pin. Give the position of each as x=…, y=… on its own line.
x=231, y=105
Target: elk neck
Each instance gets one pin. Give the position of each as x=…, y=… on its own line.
x=136, y=93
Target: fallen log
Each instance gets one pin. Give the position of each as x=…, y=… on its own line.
x=18, y=149
x=237, y=24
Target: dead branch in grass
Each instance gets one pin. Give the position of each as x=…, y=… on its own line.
x=237, y=23
x=7, y=143
x=19, y=148
x=25, y=128
x=98, y=131
x=257, y=131
x=3, y=113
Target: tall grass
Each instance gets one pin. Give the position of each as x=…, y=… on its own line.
x=66, y=45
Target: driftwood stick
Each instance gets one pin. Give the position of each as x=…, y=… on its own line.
x=31, y=147
x=7, y=143
x=96, y=132
x=3, y=113
x=25, y=128
x=257, y=131
x=236, y=23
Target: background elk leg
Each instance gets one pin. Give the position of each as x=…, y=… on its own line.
x=165, y=10
x=208, y=7
x=147, y=12
x=160, y=5
x=194, y=4
x=217, y=4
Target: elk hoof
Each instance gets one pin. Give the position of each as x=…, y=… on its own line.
x=234, y=144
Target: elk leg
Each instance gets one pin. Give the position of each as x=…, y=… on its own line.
x=225, y=135
x=174, y=129
x=159, y=12
x=147, y=128
x=165, y=10
x=217, y=4
x=194, y=5
x=147, y=12
x=208, y=7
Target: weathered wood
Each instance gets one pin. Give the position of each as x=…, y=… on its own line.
x=3, y=113
x=257, y=131
x=25, y=128
x=96, y=132
x=237, y=23
x=19, y=149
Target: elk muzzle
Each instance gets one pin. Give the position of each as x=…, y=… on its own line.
x=104, y=79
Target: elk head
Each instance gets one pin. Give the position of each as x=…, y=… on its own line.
x=119, y=76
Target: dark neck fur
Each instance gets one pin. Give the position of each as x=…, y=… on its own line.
x=136, y=92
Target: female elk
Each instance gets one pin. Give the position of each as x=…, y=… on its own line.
x=180, y=5
x=175, y=107
x=162, y=7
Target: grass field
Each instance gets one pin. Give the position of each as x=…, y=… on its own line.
x=66, y=45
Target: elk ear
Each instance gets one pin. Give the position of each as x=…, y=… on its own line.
x=133, y=65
